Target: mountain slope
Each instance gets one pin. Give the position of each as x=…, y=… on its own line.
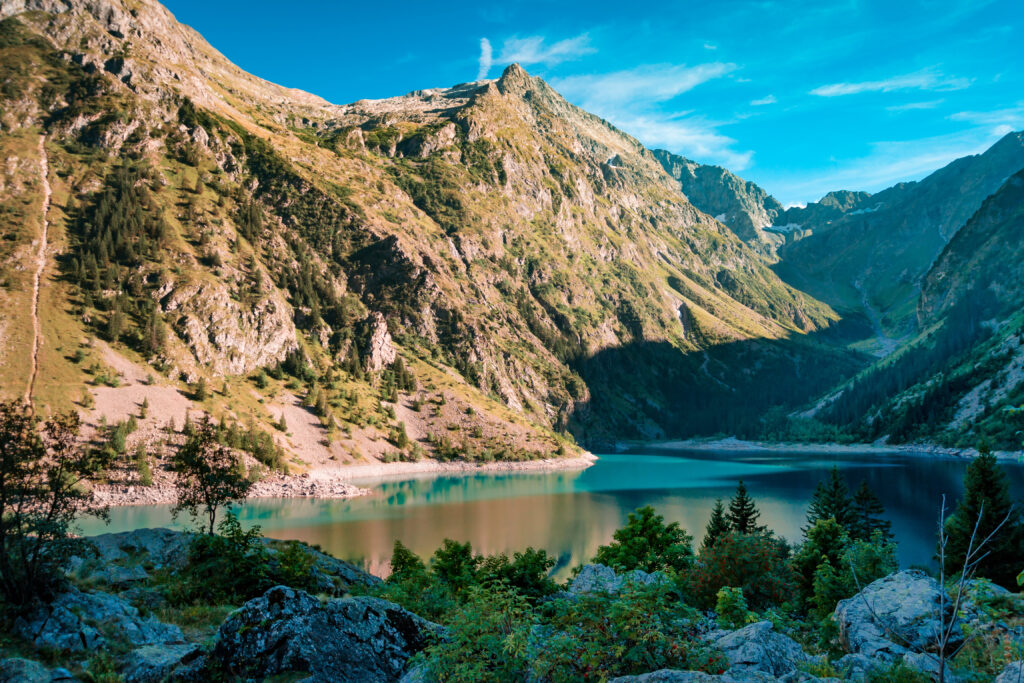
x=490, y=240
x=962, y=378
x=873, y=254
x=740, y=204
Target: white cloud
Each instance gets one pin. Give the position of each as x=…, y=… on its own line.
x=921, y=80
x=710, y=46
x=770, y=99
x=1011, y=116
x=535, y=50
x=912, y=106
x=644, y=84
x=486, y=58
x=630, y=99
x=887, y=163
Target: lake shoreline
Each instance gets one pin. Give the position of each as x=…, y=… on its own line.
x=734, y=445
x=339, y=482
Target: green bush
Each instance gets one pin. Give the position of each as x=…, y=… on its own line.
x=757, y=563
x=732, y=610
x=648, y=543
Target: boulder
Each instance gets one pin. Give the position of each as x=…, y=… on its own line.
x=1013, y=673
x=760, y=648
x=18, y=670
x=731, y=676
x=892, y=616
x=595, y=578
x=343, y=639
x=78, y=621
x=669, y=676
x=154, y=663
x=928, y=664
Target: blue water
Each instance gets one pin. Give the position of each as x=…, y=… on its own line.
x=571, y=513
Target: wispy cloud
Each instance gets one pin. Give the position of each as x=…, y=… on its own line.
x=486, y=59
x=1011, y=116
x=634, y=101
x=644, y=84
x=912, y=106
x=710, y=46
x=921, y=80
x=770, y=99
x=536, y=50
x=888, y=163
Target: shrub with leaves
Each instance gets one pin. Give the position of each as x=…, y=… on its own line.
x=756, y=563
x=648, y=543
x=731, y=607
x=42, y=470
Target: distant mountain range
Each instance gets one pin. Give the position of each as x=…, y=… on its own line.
x=477, y=272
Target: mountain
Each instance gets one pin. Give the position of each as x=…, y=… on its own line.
x=869, y=252
x=962, y=378
x=463, y=272
x=740, y=204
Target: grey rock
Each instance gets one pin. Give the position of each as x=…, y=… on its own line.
x=595, y=578
x=344, y=639
x=929, y=664
x=892, y=616
x=669, y=676
x=152, y=663
x=759, y=648
x=1013, y=673
x=18, y=670
x=76, y=621
x=61, y=674
x=856, y=667
x=379, y=351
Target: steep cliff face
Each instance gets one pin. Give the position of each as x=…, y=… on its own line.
x=217, y=225
x=741, y=205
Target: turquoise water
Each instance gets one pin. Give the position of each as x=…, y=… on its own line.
x=570, y=513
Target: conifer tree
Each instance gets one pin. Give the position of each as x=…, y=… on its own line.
x=986, y=497
x=831, y=499
x=868, y=514
x=717, y=527
x=743, y=513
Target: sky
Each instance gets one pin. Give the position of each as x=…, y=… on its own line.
x=800, y=97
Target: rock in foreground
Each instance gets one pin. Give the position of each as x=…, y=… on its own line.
x=892, y=616
x=286, y=631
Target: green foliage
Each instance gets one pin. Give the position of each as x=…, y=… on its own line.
x=743, y=513
x=757, y=563
x=867, y=514
x=731, y=607
x=986, y=498
x=596, y=636
x=208, y=475
x=717, y=527
x=235, y=565
x=647, y=543
x=831, y=499
x=825, y=542
x=42, y=469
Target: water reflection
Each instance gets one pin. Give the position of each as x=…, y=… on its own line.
x=571, y=513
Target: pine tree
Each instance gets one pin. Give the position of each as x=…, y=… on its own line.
x=717, y=527
x=986, y=496
x=831, y=499
x=282, y=424
x=868, y=514
x=201, y=393
x=743, y=513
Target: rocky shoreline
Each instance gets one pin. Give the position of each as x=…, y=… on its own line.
x=732, y=444
x=337, y=482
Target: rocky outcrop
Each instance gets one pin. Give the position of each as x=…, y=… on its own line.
x=76, y=621
x=1013, y=673
x=760, y=648
x=892, y=616
x=286, y=631
x=18, y=670
x=379, y=351
x=596, y=578
x=225, y=336
x=152, y=663
x=126, y=558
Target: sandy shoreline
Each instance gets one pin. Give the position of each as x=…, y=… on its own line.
x=340, y=482
x=734, y=445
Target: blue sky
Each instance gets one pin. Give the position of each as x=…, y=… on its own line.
x=800, y=97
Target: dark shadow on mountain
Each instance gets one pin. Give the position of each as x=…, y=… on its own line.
x=653, y=390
